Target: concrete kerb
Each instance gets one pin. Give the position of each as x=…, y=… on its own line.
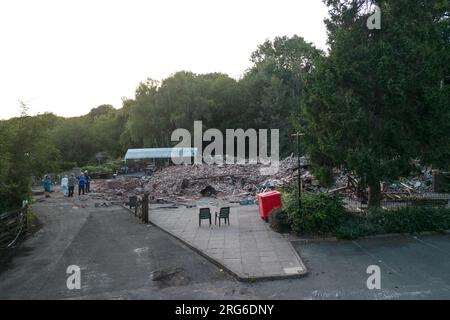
x=220, y=265
x=375, y=236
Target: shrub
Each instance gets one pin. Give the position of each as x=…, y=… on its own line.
x=356, y=226
x=323, y=213
x=410, y=219
x=319, y=213
x=108, y=167
x=279, y=220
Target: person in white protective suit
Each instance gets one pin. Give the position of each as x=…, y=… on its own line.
x=65, y=185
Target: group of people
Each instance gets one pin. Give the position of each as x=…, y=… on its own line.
x=84, y=184
x=68, y=184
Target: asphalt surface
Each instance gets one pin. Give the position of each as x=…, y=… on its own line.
x=411, y=267
x=120, y=258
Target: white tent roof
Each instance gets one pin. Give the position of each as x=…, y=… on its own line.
x=160, y=153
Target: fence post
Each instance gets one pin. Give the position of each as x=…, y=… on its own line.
x=137, y=206
x=145, y=204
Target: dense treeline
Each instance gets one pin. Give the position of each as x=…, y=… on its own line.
x=266, y=97
x=374, y=102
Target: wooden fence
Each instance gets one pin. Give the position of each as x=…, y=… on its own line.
x=13, y=225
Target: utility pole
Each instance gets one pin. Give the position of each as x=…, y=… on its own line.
x=298, y=135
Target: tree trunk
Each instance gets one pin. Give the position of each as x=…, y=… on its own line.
x=374, y=194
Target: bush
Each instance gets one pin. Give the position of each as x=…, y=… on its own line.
x=411, y=219
x=320, y=213
x=356, y=226
x=325, y=214
x=108, y=167
x=279, y=220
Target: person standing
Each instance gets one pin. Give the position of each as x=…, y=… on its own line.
x=65, y=185
x=72, y=183
x=47, y=182
x=81, y=185
x=88, y=181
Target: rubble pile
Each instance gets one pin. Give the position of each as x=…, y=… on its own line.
x=117, y=189
x=230, y=181
x=194, y=181
x=418, y=184
x=235, y=182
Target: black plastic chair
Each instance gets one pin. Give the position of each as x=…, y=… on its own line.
x=224, y=214
x=205, y=214
x=132, y=201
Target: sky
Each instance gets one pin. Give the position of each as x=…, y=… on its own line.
x=67, y=57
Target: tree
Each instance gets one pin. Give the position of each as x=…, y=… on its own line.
x=179, y=101
x=76, y=140
x=145, y=118
x=377, y=101
x=102, y=110
x=4, y=164
x=25, y=152
x=264, y=99
x=273, y=86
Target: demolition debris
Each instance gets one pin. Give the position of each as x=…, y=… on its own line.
x=240, y=183
x=191, y=182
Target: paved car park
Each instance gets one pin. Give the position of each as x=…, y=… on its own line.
x=121, y=258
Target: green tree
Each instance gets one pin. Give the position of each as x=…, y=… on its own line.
x=25, y=152
x=179, y=101
x=76, y=140
x=378, y=100
x=264, y=99
x=103, y=110
x=273, y=85
x=146, y=121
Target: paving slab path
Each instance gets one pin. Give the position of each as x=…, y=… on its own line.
x=247, y=247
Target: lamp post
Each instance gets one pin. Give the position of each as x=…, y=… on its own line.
x=298, y=135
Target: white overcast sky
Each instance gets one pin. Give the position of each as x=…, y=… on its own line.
x=67, y=57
